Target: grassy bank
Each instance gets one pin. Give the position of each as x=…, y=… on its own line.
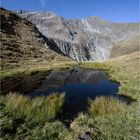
x=124, y=69
x=29, y=70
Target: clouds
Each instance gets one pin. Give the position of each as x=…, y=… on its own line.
x=42, y=2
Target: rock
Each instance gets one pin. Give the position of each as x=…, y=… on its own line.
x=85, y=136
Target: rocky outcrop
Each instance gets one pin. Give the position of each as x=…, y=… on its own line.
x=91, y=49
x=81, y=39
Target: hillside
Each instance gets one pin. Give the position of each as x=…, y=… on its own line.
x=23, y=46
x=126, y=46
x=91, y=38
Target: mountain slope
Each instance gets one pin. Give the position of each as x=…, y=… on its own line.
x=126, y=46
x=23, y=45
x=81, y=39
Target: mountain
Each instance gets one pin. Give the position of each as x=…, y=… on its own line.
x=92, y=38
x=127, y=46
x=22, y=44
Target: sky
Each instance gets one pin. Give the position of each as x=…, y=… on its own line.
x=112, y=10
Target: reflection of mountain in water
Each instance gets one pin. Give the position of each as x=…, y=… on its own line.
x=57, y=79
x=79, y=85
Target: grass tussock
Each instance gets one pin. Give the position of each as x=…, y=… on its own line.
x=103, y=106
x=124, y=126
x=25, y=118
x=40, y=109
x=50, y=131
x=83, y=123
x=46, y=108
x=108, y=119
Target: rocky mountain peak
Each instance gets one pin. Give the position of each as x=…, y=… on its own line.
x=95, y=18
x=51, y=14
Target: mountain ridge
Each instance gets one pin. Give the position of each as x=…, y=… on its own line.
x=86, y=17
x=87, y=39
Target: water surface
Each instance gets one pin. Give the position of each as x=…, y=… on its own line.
x=78, y=85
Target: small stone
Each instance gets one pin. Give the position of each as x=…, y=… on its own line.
x=85, y=136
